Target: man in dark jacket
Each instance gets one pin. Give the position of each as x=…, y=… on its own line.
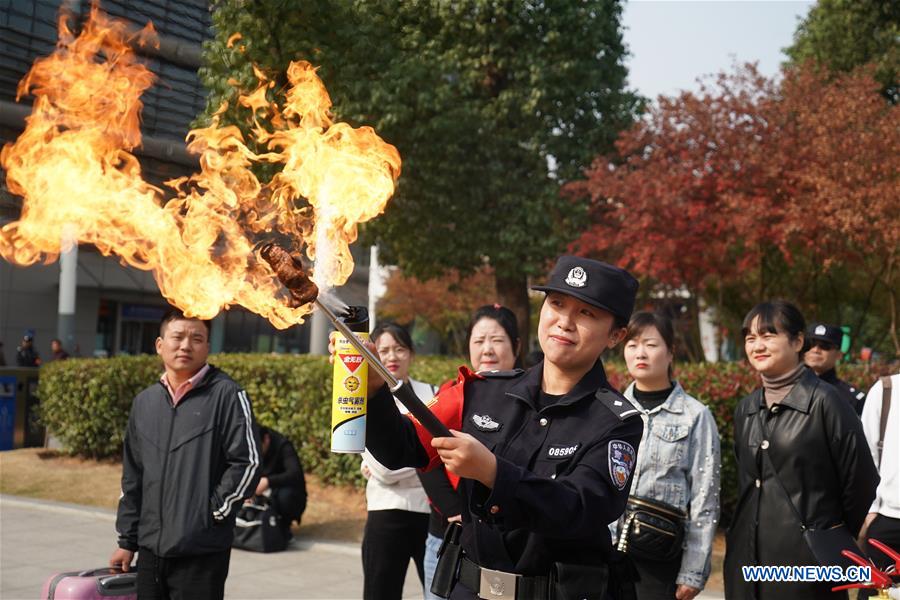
x=26, y=355
x=190, y=458
x=822, y=356
x=282, y=475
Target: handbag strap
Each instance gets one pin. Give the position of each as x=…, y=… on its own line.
x=885, y=410
x=766, y=457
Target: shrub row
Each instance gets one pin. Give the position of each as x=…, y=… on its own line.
x=85, y=402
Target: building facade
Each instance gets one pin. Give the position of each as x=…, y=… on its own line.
x=117, y=309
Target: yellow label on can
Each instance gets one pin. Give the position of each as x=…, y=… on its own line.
x=348, y=397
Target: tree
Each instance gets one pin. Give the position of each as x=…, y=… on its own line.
x=493, y=106
x=752, y=189
x=444, y=303
x=842, y=139
x=844, y=34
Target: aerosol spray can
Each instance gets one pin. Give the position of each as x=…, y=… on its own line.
x=348, y=396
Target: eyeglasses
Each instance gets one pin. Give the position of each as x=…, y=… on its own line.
x=398, y=351
x=826, y=346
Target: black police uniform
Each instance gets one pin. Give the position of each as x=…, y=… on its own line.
x=564, y=466
x=563, y=470
x=852, y=395
x=834, y=336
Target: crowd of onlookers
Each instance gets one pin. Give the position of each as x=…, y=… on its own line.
x=806, y=461
x=814, y=455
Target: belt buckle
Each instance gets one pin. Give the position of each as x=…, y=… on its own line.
x=497, y=585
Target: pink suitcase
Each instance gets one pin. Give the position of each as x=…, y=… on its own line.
x=93, y=584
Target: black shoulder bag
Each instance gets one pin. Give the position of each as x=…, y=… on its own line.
x=651, y=530
x=825, y=544
x=258, y=528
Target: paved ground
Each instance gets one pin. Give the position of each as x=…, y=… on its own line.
x=39, y=538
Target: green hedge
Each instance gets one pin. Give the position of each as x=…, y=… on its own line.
x=85, y=402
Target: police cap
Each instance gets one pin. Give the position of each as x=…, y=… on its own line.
x=825, y=333
x=597, y=283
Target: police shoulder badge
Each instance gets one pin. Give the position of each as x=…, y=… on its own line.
x=621, y=462
x=486, y=423
x=577, y=277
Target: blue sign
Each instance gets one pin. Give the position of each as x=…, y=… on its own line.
x=143, y=312
x=7, y=411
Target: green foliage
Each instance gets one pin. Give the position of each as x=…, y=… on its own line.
x=844, y=34
x=85, y=402
x=475, y=94
x=436, y=369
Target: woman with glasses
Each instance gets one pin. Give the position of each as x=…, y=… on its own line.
x=397, y=518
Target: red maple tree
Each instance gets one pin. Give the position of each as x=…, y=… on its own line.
x=729, y=188
x=445, y=303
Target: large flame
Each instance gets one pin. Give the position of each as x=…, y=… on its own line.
x=80, y=183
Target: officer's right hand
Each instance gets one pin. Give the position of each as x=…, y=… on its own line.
x=121, y=559
x=465, y=456
x=375, y=380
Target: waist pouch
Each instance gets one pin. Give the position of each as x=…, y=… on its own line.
x=651, y=530
x=578, y=582
x=449, y=555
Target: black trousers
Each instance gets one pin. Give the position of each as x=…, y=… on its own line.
x=199, y=577
x=886, y=530
x=289, y=502
x=657, y=578
x=391, y=538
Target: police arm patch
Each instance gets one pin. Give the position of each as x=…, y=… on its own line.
x=621, y=462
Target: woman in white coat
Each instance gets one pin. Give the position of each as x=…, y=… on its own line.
x=398, y=510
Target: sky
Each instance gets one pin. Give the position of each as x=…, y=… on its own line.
x=673, y=42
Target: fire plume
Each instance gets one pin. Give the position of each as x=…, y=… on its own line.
x=73, y=165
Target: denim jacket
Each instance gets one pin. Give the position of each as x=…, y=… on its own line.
x=678, y=463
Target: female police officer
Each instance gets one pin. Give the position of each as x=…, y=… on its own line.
x=546, y=455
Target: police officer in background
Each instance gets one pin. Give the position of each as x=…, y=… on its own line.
x=825, y=351
x=545, y=455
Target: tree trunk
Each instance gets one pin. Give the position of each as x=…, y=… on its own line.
x=512, y=288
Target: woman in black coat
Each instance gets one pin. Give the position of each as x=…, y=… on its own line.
x=797, y=430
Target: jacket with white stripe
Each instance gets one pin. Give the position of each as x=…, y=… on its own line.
x=187, y=468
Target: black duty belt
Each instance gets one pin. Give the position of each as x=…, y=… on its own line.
x=500, y=585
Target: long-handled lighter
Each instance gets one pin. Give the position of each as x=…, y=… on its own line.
x=290, y=272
